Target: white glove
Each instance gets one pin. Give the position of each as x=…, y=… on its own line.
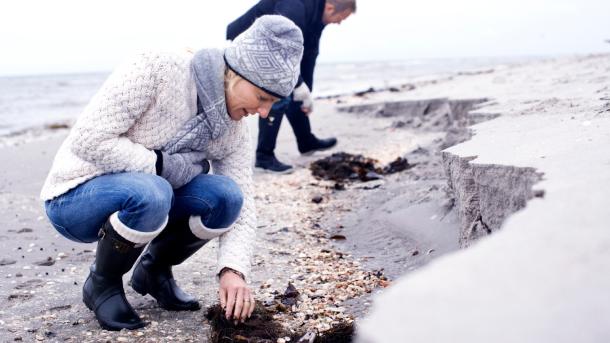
x=303, y=94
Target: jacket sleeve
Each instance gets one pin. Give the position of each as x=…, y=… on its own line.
x=308, y=65
x=99, y=134
x=293, y=10
x=236, y=245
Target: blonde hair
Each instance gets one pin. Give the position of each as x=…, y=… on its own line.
x=231, y=79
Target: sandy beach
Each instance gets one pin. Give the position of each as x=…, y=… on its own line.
x=350, y=244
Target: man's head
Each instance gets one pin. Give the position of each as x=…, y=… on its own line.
x=336, y=11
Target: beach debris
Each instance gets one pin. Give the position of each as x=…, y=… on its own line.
x=46, y=263
x=384, y=283
x=317, y=199
x=342, y=167
x=25, y=230
x=369, y=187
x=408, y=87
x=290, y=296
x=20, y=296
x=342, y=333
x=60, y=308
x=338, y=237
x=260, y=327
x=538, y=193
x=6, y=262
x=310, y=303
x=475, y=72
x=57, y=126
x=372, y=176
x=365, y=92
x=398, y=165
x=263, y=327
x=398, y=124
x=307, y=338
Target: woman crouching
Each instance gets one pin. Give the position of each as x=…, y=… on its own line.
x=133, y=170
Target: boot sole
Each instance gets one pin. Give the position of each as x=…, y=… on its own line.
x=106, y=326
x=269, y=171
x=140, y=290
x=85, y=300
x=311, y=152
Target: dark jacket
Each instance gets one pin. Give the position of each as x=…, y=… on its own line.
x=306, y=14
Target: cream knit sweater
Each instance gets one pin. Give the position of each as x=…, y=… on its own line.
x=139, y=108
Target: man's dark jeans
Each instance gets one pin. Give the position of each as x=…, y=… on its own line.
x=269, y=127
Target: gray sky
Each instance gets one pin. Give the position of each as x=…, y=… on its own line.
x=42, y=36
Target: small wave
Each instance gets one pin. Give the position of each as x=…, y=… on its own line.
x=16, y=136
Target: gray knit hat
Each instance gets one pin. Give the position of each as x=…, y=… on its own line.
x=268, y=54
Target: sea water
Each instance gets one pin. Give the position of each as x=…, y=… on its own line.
x=39, y=101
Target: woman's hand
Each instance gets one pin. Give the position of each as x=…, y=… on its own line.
x=235, y=296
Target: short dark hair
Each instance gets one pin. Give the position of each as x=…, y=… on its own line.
x=342, y=5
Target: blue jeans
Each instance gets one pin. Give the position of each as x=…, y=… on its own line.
x=144, y=202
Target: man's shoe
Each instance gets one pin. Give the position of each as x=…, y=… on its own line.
x=318, y=145
x=271, y=164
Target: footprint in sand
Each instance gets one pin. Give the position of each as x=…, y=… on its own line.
x=6, y=262
x=20, y=296
x=30, y=284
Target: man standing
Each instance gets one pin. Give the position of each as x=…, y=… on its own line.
x=311, y=16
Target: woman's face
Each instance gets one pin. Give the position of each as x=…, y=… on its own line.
x=244, y=99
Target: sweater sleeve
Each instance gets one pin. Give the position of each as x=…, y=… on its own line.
x=236, y=245
x=98, y=136
x=308, y=65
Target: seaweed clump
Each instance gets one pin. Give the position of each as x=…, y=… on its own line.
x=342, y=166
x=262, y=328
x=259, y=328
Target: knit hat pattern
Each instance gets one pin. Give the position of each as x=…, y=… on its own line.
x=268, y=54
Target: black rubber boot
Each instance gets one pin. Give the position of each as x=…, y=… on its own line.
x=103, y=291
x=153, y=273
